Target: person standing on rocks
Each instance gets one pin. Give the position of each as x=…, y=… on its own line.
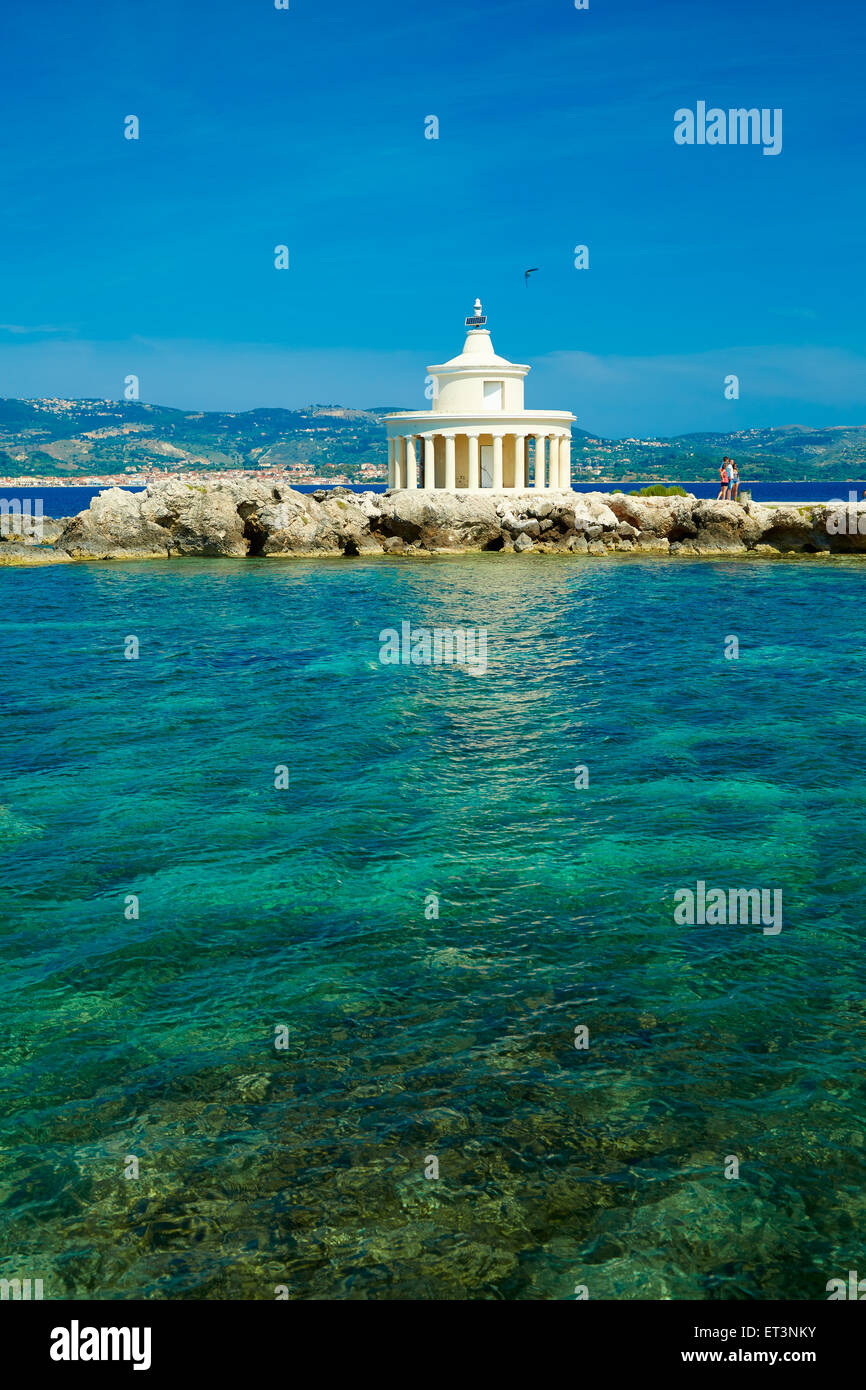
x=734, y=473
x=723, y=475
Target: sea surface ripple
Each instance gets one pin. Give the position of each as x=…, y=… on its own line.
x=413, y=1035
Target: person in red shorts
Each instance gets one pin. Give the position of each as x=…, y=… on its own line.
x=723, y=475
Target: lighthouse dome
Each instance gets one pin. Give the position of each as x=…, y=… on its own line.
x=478, y=380
x=477, y=352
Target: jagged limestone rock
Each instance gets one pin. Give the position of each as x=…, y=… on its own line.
x=251, y=518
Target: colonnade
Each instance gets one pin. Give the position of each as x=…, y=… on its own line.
x=414, y=460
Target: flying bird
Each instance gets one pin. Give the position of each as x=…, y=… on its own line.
x=527, y=275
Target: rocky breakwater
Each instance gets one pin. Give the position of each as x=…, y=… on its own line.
x=248, y=518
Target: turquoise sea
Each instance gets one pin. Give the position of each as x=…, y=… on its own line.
x=415, y=1039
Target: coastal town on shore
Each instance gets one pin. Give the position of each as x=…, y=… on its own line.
x=288, y=477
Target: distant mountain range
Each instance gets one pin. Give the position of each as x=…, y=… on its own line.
x=71, y=438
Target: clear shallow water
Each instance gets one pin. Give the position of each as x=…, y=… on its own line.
x=412, y=1037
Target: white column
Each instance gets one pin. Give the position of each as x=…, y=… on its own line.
x=474, y=468
x=391, y=468
x=411, y=462
x=554, y=461
x=519, y=462
x=497, y=462
x=399, y=474
x=565, y=462
x=451, y=462
x=539, y=460
x=429, y=461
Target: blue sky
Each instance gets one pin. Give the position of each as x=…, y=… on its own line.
x=306, y=127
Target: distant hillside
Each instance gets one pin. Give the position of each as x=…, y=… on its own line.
x=790, y=451
x=66, y=438
x=69, y=438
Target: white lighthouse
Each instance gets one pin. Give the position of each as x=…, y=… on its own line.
x=478, y=434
